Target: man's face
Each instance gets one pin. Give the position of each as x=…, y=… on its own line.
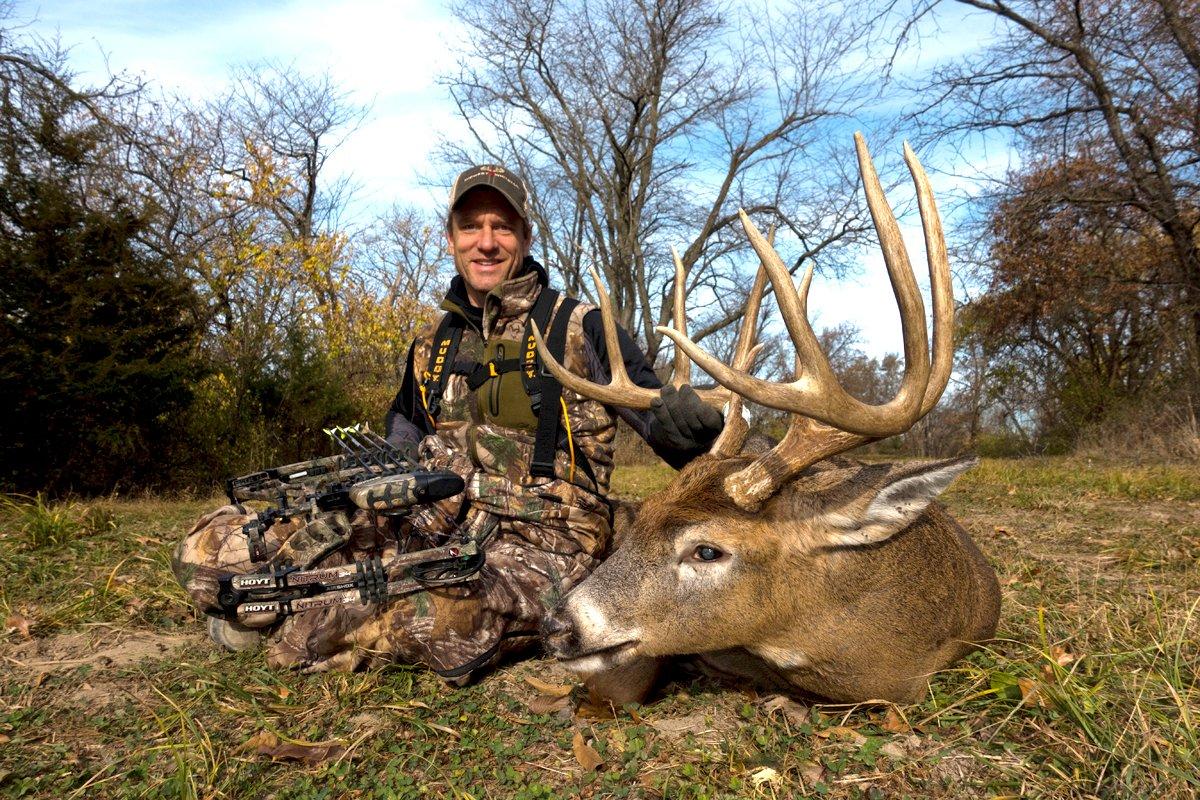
x=488, y=240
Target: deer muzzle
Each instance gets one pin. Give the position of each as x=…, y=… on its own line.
x=576, y=633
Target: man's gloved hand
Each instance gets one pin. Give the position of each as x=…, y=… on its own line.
x=407, y=447
x=683, y=420
x=324, y=533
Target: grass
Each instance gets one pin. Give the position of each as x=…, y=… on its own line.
x=109, y=688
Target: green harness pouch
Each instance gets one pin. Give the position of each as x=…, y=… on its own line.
x=502, y=399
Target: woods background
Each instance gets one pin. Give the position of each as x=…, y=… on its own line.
x=185, y=297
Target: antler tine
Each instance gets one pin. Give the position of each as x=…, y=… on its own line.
x=620, y=391
x=733, y=435
x=748, y=333
x=682, y=371
x=939, y=284
x=729, y=442
x=904, y=285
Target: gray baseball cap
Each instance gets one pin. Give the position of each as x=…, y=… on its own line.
x=504, y=181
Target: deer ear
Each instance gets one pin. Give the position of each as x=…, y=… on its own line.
x=903, y=496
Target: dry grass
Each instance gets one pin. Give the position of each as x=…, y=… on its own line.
x=109, y=689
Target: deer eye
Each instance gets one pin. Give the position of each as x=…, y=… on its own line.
x=706, y=552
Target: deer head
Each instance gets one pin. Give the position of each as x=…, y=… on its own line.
x=836, y=577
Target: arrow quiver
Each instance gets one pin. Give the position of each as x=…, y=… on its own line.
x=369, y=473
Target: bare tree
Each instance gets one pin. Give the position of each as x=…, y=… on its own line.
x=1114, y=83
x=405, y=254
x=646, y=124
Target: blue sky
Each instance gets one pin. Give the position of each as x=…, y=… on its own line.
x=388, y=54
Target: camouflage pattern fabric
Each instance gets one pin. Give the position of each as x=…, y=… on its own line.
x=548, y=533
x=506, y=452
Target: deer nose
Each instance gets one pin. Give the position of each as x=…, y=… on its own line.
x=556, y=630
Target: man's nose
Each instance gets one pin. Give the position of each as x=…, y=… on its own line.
x=487, y=238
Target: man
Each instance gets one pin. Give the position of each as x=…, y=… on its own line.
x=536, y=459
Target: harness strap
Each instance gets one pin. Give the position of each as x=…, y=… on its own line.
x=479, y=374
x=545, y=442
x=445, y=349
x=543, y=307
x=544, y=390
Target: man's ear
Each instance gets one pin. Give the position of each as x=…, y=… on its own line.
x=903, y=496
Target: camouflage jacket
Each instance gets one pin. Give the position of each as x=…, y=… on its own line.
x=495, y=449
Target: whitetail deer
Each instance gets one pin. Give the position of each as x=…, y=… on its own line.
x=798, y=568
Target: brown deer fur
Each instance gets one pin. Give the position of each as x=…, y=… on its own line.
x=789, y=606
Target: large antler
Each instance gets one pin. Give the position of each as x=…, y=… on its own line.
x=826, y=419
x=621, y=390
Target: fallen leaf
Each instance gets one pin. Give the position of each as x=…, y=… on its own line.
x=894, y=722
x=765, y=775
x=842, y=733
x=284, y=693
x=548, y=705
x=1061, y=656
x=895, y=751
x=18, y=623
x=616, y=740
x=793, y=712
x=811, y=772
x=5, y=738
x=679, y=726
x=265, y=743
x=594, y=709
x=134, y=605
x=549, y=689
x=1031, y=692
x=585, y=754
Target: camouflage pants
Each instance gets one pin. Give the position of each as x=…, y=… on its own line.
x=455, y=630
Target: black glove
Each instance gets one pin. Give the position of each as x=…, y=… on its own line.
x=682, y=421
x=407, y=448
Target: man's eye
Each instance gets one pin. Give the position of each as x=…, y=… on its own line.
x=706, y=552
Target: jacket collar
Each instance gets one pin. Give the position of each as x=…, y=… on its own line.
x=512, y=298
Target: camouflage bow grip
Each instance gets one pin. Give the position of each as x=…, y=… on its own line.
x=260, y=599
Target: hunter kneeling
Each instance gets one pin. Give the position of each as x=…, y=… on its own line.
x=535, y=459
